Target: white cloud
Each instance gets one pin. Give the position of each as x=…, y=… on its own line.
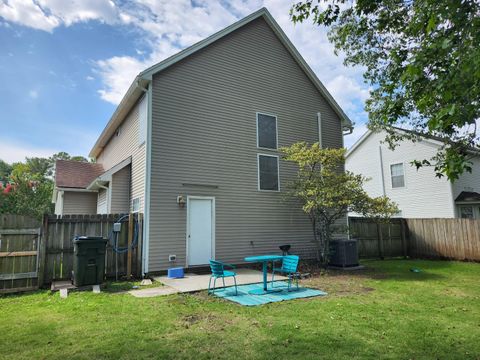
x=46, y=15
x=33, y=94
x=14, y=151
x=28, y=13
x=89, y=78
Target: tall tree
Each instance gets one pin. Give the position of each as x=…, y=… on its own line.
x=5, y=170
x=327, y=193
x=26, y=188
x=422, y=61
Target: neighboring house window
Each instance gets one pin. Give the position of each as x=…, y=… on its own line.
x=268, y=178
x=398, y=176
x=136, y=205
x=266, y=131
x=466, y=212
x=142, y=120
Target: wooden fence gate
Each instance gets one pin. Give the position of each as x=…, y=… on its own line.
x=20, y=238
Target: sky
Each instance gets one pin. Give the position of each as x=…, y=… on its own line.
x=65, y=65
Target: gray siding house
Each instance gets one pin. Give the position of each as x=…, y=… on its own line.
x=201, y=132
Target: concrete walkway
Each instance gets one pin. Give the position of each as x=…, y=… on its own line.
x=194, y=282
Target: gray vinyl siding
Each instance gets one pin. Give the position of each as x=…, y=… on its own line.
x=120, y=188
x=204, y=133
x=125, y=145
x=79, y=203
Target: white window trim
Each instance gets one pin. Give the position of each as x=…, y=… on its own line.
x=404, y=175
x=258, y=172
x=276, y=130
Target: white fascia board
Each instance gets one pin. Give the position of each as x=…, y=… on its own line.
x=358, y=143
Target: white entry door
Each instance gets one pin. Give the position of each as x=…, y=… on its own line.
x=200, y=230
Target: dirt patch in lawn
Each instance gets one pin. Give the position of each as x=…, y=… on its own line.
x=339, y=282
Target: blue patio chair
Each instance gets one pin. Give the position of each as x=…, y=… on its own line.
x=218, y=271
x=289, y=268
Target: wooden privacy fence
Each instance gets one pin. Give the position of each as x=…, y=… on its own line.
x=457, y=239
x=379, y=240
x=19, y=253
x=59, y=234
x=33, y=253
x=444, y=238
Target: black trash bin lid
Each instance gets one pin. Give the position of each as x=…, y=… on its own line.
x=88, y=238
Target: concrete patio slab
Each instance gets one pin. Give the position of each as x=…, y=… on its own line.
x=152, y=292
x=195, y=282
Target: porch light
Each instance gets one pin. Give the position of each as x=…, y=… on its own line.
x=181, y=201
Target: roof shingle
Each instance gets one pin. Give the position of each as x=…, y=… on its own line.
x=75, y=174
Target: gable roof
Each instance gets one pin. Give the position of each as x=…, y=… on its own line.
x=142, y=80
x=468, y=196
x=75, y=174
x=429, y=138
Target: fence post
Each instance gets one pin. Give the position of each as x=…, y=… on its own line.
x=380, y=241
x=404, y=237
x=42, y=256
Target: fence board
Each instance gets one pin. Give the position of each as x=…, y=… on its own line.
x=19, y=245
x=377, y=239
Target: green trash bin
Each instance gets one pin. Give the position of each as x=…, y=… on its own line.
x=88, y=260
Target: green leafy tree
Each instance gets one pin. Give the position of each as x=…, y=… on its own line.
x=26, y=193
x=5, y=170
x=26, y=188
x=327, y=193
x=422, y=60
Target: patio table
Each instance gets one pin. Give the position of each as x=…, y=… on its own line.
x=264, y=259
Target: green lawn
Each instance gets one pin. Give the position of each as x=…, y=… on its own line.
x=387, y=312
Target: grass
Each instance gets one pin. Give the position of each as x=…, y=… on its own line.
x=386, y=312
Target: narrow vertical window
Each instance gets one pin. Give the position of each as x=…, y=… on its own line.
x=267, y=131
x=136, y=205
x=398, y=175
x=268, y=178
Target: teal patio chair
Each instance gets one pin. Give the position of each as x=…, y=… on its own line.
x=289, y=268
x=218, y=271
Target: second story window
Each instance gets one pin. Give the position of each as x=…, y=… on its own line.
x=398, y=175
x=268, y=178
x=266, y=131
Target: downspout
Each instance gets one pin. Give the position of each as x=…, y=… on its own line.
x=381, y=169
x=319, y=122
x=146, y=200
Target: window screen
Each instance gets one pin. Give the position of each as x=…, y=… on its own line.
x=466, y=212
x=267, y=131
x=398, y=176
x=268, y=172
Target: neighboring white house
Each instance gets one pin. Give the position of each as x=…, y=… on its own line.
x=418, y=193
